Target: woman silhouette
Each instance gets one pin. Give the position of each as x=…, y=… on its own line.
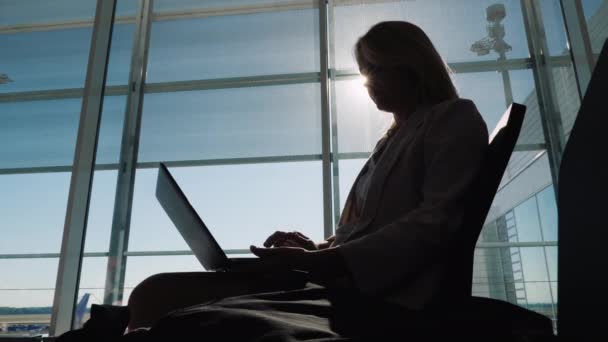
x=402, y=213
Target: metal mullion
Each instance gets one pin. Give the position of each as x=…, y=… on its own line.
x=335, y=151
x=176, y=163
x=516, y=244
x=165, y=87
x=264, y=80
x=72, y=245
x=543, y=78
x=328, y=227
x=580, y=46
x=57, y=94
x=236, y=10
x=119, y=240
x=233, y=82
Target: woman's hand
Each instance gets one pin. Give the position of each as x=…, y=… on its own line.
x=290, y=239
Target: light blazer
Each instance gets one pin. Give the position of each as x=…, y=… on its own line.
x=395, y=246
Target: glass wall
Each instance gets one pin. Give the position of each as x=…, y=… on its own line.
x=39, y=114
x=233, y=103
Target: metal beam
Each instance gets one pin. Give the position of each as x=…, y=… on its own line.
x=335, y=148
x=328, y=223
x=235, y=82
x=72, y=245
x=579, y=43
x=166, y=87
x=516, y=244
x=176, y=163
x=57, y=94
x=266, y=80
x=125, y=184
x=550, y=115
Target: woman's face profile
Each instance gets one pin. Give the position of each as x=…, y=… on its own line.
x=391, y=89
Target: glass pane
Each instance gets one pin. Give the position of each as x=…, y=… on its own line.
x=43, y=60
x=43, y=133
x=30, y=12
x=538, y=297
x=231, y=123
x=555, y=29
x=205, y=44
x=548, y=213
x=563, y=76
x=240, y=204
x=596, y=14
x=487, y=91
x=498, y=274
x=527, y=224
x=26, y=298
x=533, y=264
x=551, y=253
x=491, y=277
x=91, y=287
x=464, y=20
x=39, y=133
x=120, y=53
x=101, y=209
x=33, y=214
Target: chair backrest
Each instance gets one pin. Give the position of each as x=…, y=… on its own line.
x=582, y=203
x=479, y=200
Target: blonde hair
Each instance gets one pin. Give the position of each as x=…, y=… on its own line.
x=405, y=48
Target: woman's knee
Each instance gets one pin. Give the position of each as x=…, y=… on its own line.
x=148, y=289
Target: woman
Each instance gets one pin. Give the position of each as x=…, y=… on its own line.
x=404, y=209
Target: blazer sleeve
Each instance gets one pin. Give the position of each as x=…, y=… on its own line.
x=454, y=145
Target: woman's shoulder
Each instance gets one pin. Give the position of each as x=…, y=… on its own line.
x=459, y=109
x=456, y=117
x=462, y=105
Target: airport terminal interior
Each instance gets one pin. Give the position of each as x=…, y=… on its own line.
x=259, y=110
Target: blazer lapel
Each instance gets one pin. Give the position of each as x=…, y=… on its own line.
x=387, y=160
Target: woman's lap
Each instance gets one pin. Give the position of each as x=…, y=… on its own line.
x=165, y=292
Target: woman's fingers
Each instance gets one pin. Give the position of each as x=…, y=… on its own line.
x=276, y=236
x=282, y=257
x=279, y=238
x=302, y=236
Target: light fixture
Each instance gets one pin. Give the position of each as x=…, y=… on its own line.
x=495, y=41
x=496, y=32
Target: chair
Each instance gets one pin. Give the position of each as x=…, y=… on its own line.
x=480, y=199
x=493, y=315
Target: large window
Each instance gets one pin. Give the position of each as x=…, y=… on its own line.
x=234, y=101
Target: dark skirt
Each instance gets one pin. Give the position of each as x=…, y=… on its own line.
x=313, y=313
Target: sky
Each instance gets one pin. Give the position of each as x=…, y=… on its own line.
x=242, y=204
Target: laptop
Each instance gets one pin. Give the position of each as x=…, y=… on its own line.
x=199, y=238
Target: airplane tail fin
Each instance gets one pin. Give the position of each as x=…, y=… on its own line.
x=81, y=309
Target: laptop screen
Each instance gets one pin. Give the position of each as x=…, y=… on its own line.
x=188, y=223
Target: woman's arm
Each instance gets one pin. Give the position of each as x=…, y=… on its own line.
x=454, y=147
